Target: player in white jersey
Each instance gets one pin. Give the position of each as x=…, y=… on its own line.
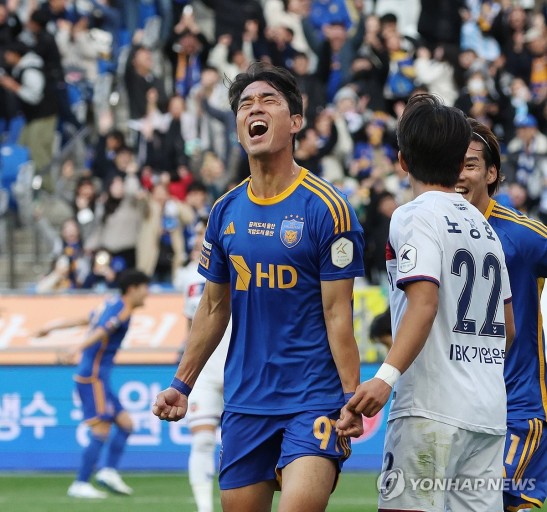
x=206, y=404
x=451, y=312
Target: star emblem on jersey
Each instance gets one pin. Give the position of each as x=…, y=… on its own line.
x=291, y=230
x=406, y=259
x=341, y=252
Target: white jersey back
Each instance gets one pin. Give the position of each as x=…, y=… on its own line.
x=458, y=376
x=191, y=283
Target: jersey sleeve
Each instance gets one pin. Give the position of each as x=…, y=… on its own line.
x=110, y=319
x=212, y=261
x=341, y=251
x=536, y=247
x=416, y=247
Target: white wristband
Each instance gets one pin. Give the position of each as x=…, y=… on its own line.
x=389, y=374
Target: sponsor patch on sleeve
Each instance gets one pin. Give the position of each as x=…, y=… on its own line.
x=205, y=255
x=341, y=252
x=406, y=258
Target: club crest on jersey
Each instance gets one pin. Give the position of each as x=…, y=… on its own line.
x=291, y=232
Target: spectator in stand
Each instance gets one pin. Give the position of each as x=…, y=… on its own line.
x=280, y=47
x=46, y=47
x=187, y=51
x=477, y=99
x=336, y=54
x=198, y=199
x=139, y=79
x=440, y=21
x=313, y=91
x=160, y=247
x=29, y=82
x=509, y=28
x=84, y=205
x=312, y=147
x=290, y=14
x=231, y=17
x=213, y=175
x=370, y=67
x=119, y=218
x=527, y=163
x=437, y=71
x=376, y=225
x=108, y=144
x=373, y=157
x=70, y=264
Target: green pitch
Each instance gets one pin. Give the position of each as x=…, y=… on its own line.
x=170, y=492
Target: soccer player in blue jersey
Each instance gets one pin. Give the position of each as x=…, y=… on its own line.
x=524, y=242
x=108, y=326
x=280, y=254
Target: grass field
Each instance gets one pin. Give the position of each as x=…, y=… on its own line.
x=170, y=492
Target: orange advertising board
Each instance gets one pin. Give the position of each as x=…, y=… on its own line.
x=155, y=335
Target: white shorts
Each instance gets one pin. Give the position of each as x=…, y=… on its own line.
x=206, y=402
x=434, y=467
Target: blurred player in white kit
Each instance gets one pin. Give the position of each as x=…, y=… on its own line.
x=206, y=404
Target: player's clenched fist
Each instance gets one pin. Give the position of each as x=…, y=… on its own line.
x=370, y=396
x=170, y=405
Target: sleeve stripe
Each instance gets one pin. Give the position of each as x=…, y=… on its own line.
x=528, y=223
x=329, y=205
x=338, y=200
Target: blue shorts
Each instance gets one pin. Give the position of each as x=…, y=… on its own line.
x=99, y=403
x=256, y=448
x=525, y=463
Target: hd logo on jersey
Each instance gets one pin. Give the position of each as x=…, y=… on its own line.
x=291, y=231
x=264, y=275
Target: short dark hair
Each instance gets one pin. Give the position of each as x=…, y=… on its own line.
x=490, y=150
x=381, y=325
x=16, y=47
x=131, y=277
x=196, y=186
x=279, y=78
x=433, y=140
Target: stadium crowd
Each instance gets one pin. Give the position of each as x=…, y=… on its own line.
x=136, y=95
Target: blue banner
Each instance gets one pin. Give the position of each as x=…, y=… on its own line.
x=41, y=429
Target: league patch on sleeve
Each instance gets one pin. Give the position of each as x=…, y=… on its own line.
x=341, y=252
x=406, y=259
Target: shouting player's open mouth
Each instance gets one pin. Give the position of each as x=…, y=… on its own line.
x=462, y=190
x=257, y=129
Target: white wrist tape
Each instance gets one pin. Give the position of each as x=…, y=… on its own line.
x=389, y=374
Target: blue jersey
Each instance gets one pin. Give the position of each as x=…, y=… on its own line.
x=98, y=359
x=524, y=243
x=275, y=253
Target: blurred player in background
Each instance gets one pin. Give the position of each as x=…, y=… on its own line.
x=280, y=254
x=524, y=242
x=206, y=403
x=108, y=326
x=450, y=300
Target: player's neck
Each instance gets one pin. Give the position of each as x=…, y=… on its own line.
x=419, y=188
x=269, y=180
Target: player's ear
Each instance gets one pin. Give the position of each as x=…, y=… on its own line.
x=491, y=174
x=402, y=161
x=296, y=123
